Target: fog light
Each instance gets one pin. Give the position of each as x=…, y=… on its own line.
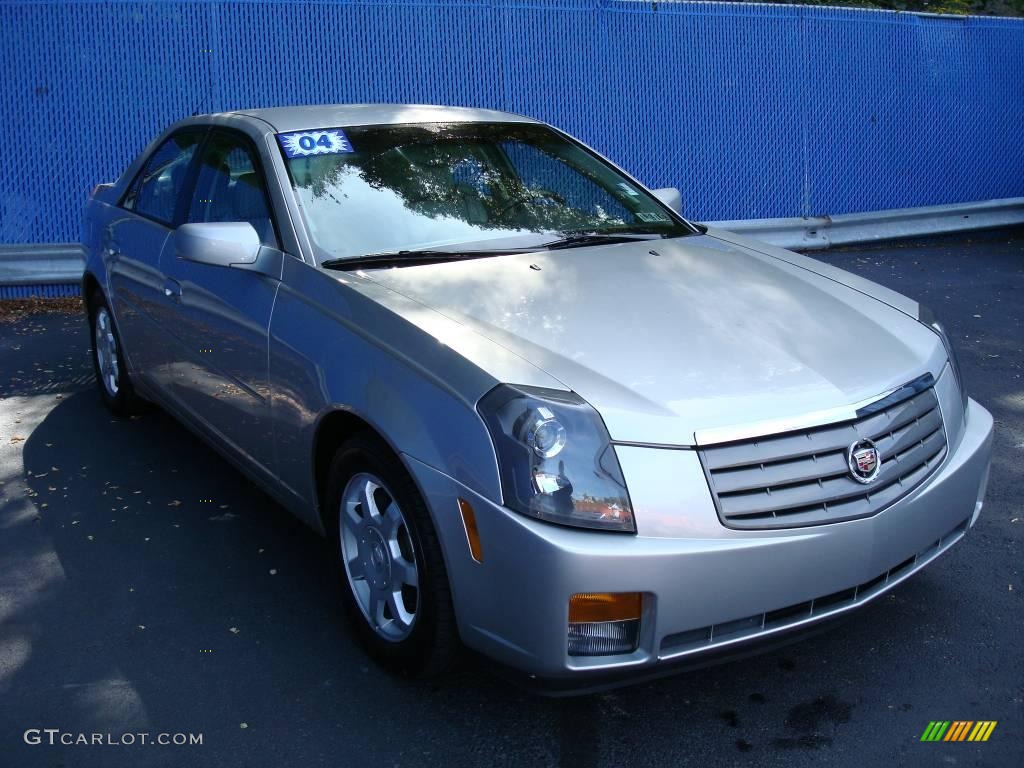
x=603, y=624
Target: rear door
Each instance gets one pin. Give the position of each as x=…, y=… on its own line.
x=217, y=369
x=132, y=243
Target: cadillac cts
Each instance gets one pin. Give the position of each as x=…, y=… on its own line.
x=534, y=410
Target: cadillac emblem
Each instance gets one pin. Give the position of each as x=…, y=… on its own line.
x=864, y=462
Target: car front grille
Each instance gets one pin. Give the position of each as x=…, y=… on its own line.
x=802, y=478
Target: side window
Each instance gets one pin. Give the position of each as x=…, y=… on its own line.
x=230, y=187
x=154, y=192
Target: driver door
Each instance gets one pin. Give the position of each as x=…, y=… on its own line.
x=219, y=374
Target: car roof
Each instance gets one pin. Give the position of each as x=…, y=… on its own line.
x=341, y=115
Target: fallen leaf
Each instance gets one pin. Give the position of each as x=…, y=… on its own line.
x=224, y=518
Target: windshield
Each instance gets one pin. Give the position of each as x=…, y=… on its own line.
x=473, y=186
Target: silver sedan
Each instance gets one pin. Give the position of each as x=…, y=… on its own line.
x=534, y=410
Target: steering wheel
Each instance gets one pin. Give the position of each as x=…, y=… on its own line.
x=520, y=201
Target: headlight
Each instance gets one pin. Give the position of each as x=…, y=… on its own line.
x=926, y=316
x=555, y=458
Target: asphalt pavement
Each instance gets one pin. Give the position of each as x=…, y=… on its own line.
x=146, y=587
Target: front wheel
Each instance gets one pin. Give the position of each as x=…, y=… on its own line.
x=390, y=568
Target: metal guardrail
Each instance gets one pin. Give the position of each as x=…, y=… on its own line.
x=41, y=264
x=25, y=267
x=819, y=232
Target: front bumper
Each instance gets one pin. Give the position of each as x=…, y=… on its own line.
x=709, y=591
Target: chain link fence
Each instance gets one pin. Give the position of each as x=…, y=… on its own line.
x=753, y=111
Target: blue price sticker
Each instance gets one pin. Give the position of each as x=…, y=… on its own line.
x=310, y=143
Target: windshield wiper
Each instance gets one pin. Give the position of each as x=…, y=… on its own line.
x=409, y=258
x=580, y=239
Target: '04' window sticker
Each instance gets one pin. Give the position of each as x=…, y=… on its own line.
x=309, y=143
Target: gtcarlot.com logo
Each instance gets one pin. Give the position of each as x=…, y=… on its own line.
x=55, y=736
x=958, y=730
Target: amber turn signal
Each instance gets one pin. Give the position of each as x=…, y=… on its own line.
x=472, y=534
x=591, y=607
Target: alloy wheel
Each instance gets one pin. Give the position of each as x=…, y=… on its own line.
x=378, y=555
x=106, y=352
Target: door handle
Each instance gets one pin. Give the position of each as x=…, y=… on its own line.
x=172, y=290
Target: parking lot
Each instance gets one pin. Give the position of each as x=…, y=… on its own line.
x=145, y=586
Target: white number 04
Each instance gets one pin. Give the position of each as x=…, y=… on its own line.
x=306, y=143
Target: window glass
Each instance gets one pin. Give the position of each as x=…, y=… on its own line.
x=466, y=185
x=154, y=192
x=230, y=187
x=544, y=173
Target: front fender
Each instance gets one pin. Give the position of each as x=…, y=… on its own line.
x=332, y=348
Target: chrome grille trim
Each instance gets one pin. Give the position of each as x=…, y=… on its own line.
x=801, y=478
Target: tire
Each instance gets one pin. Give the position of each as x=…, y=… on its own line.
x=413, y=633
x=108, y=361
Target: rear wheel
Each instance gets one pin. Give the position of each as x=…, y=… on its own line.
x=112, y=379
x=390, y=569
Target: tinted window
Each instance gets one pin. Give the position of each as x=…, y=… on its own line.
x=230, y=187
x=154, y=192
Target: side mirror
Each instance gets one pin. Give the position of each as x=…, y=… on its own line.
x=671, y=197
x=218, y=244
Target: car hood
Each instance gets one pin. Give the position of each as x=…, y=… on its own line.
x=683, y=341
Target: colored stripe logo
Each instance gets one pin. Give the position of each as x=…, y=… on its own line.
x=959, y=730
